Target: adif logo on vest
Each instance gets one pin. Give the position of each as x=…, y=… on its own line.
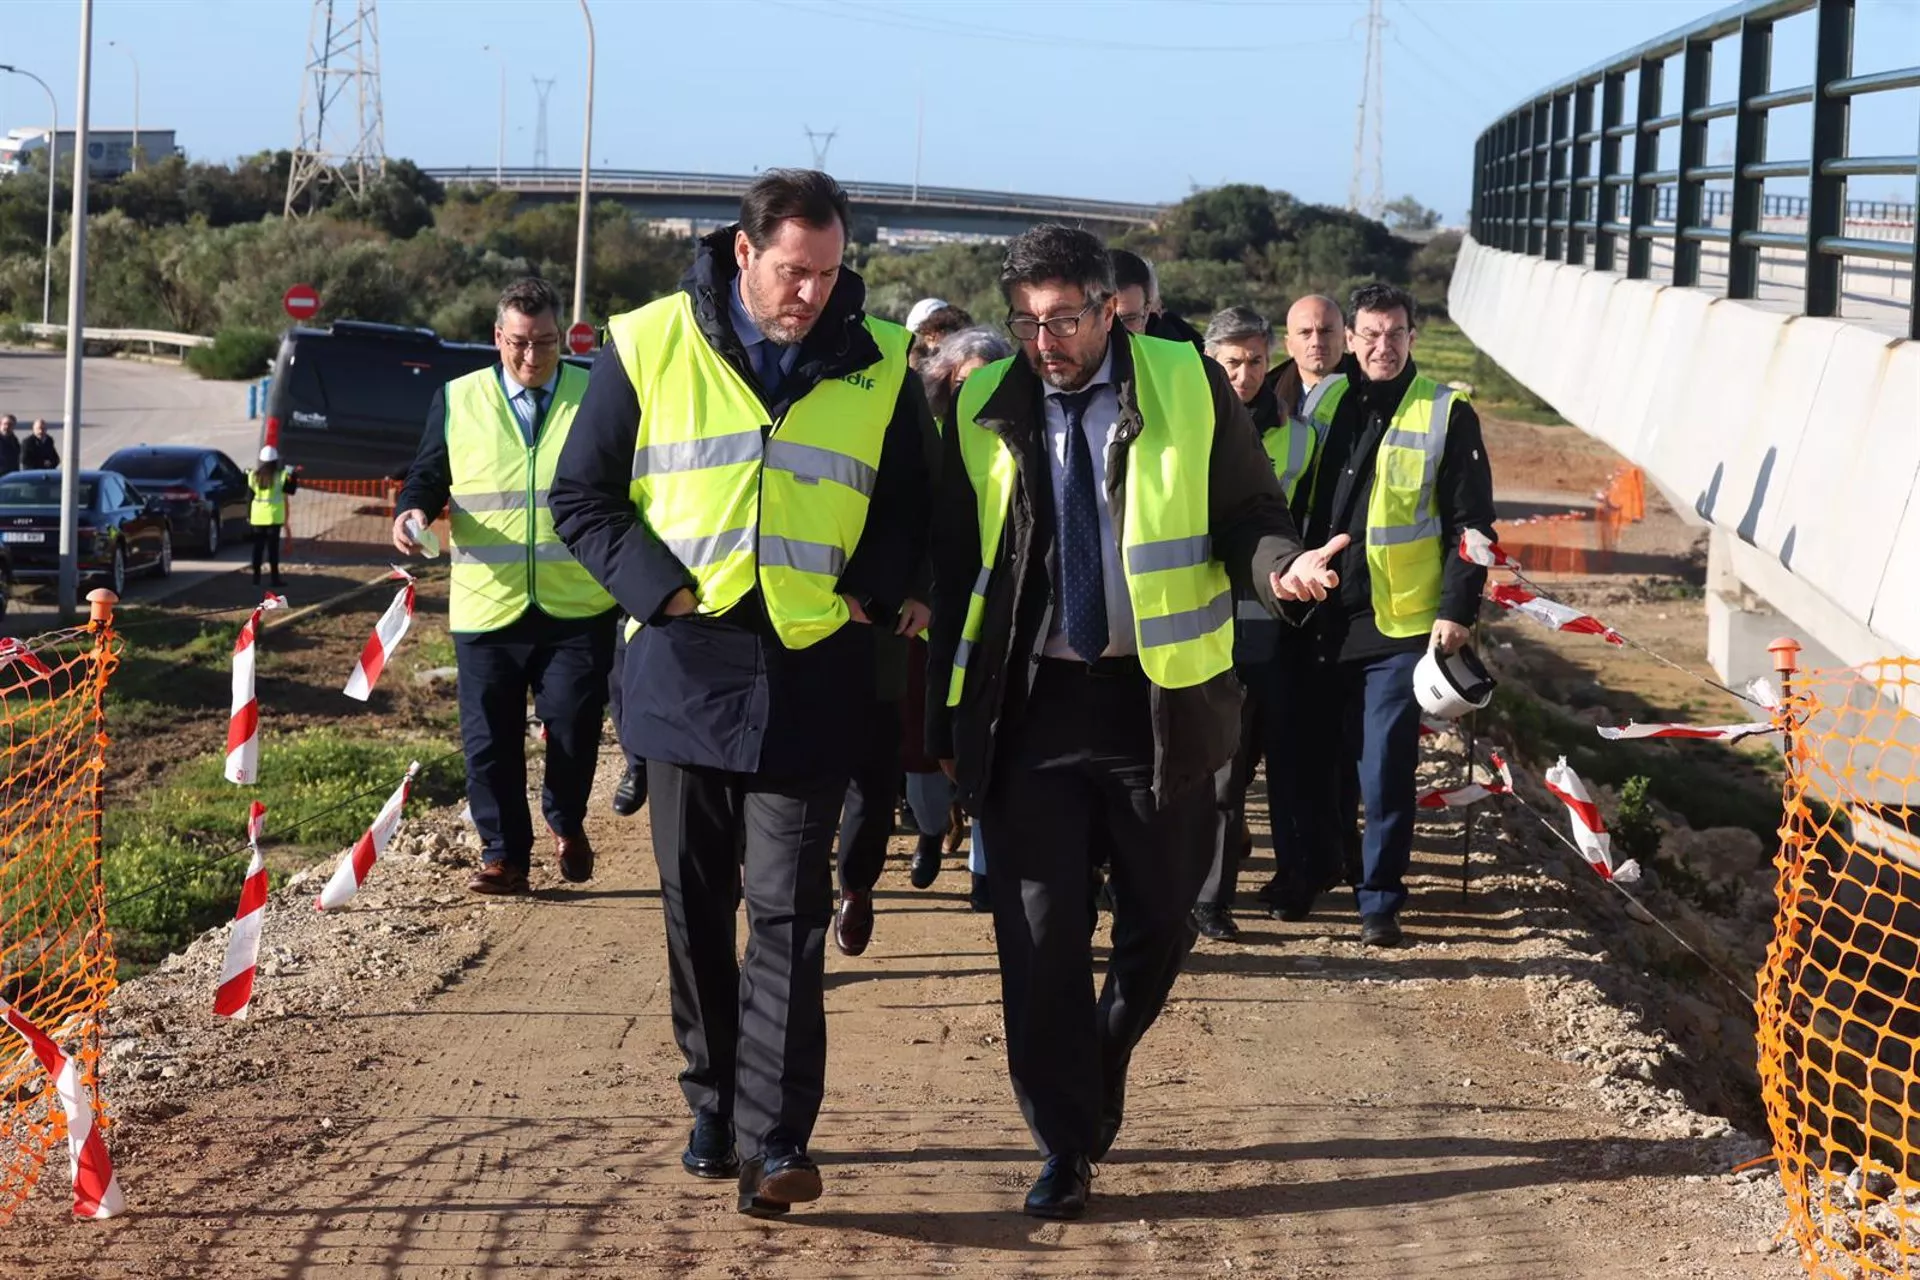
x=859, y=380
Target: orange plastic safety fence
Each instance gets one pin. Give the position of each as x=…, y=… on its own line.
x=56, y=957
x=1839, y=996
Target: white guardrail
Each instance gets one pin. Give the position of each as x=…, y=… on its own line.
x=153, y=338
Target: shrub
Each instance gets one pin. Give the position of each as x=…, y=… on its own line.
x=235, y=355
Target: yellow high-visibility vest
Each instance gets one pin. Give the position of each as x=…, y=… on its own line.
x=1182, y=601
x=744, y=501
x=1405, y=558
x=269, y=504
x=505, y=555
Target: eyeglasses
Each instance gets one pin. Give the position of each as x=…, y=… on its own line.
x=1027, y=328
x=520, y=346
x=1133, y=321
x=1382, y=337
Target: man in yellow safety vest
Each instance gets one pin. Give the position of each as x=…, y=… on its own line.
x=525, y=617
x=1101, y=495
x=1402, y=471
x=749, y=479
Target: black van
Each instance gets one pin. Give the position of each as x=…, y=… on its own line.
x=349, y=401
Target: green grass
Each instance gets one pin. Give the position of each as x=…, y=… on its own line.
x=174, y=858
x=1445, y=353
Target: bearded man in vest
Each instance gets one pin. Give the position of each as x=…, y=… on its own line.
x=1402, y=471
x=1102, y=497
x=526, y=619
x=749, y=479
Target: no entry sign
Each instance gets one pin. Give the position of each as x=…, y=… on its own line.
x=302, y=301
x=580, y=338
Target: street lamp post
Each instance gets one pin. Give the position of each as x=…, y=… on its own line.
x=69, y=582
x=115, y=44
x=500, y=155
x=586, y=172
x=53, y=174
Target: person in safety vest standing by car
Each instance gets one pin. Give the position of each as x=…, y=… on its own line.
x=1100, y=495
x=524, y=616
x=1402, y=472
x=749, y=479
x=268, y=486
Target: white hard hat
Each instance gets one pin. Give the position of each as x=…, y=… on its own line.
x=1450, y=685
x=922, y=310
x=269, y=454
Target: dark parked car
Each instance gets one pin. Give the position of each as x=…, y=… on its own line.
x=203, y=491
x=120, y=529
x=349, y=401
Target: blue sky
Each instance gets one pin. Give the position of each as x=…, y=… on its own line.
x=1122, y=99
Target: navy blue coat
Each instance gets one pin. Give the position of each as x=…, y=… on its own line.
x=722, y=691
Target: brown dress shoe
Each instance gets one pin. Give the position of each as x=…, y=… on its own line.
x=853, y=922
x=576, y=858
x=499, y=879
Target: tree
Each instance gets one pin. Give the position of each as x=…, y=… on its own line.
x=1408, y=214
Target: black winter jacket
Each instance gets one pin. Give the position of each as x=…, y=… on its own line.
x=37, y=453
x=721, y=691
x=9, y=452
x=1197, y=729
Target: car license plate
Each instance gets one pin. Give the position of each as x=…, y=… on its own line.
x=13, y=536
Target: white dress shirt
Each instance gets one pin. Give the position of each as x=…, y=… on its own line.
x=1099, y=422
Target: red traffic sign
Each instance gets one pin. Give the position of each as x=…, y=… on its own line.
x=302, y=301
x=580, y=338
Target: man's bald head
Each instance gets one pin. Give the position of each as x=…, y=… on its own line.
x=1316, y=336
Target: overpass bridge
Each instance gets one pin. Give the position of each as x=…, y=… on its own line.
x=1755, y=354
x=715, y=198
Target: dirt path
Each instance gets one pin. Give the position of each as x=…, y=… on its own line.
x=1301, y=1110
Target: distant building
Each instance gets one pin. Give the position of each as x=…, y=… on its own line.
x=109, y=151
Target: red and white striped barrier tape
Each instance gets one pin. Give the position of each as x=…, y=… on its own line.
x=386, y=637
x=1589, y=828
x=1477, y=548
x=1550, y=613
x=1701, y=732
x=243, y=947
x=243, y=726
x=1472, y=792
x=12, y=650
x=96, y=1192
x=358, y=861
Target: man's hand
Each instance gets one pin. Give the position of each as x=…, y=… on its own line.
x=1448, y=637
x=402, y=540
x=914, y=617
x=859, y=614
x=947, y=767
x=1310, y=576
x=680, y=603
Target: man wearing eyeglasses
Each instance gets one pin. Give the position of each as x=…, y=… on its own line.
x=1402, y=472
x=526, y=619
x=1138, y=305
x=1101, y=496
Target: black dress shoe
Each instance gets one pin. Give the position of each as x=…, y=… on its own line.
x=1268, y=894
x=1215, y=922
x=710, y=1152
x=1292, y=910
x=853, y=922
x=1379, y=930
x=1061, y=1190
x=926, y=862
x=776, y=1180
x=631, y=791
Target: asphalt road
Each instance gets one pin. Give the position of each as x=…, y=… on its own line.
x=128, y=402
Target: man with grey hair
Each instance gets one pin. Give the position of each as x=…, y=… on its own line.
x=525, y=617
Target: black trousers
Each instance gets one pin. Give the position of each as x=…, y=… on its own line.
x=266, y=544
x=1074, y=781
x=616, y=698
x=565, y=668
x=753, y=1032
x=1230, y=799
x=873, y=793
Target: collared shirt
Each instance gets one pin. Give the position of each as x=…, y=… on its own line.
x=522, y=403
x=750, y=336
x=1099, y=422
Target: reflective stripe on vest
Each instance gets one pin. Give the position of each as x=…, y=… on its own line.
x=1295, y=444
x=1405, y=559
x=269, y=505
x=742, y=504
x=1182, y=601
x=504, y=552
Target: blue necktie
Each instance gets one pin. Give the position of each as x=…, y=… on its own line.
x=766, y=367
x=1083, y=588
